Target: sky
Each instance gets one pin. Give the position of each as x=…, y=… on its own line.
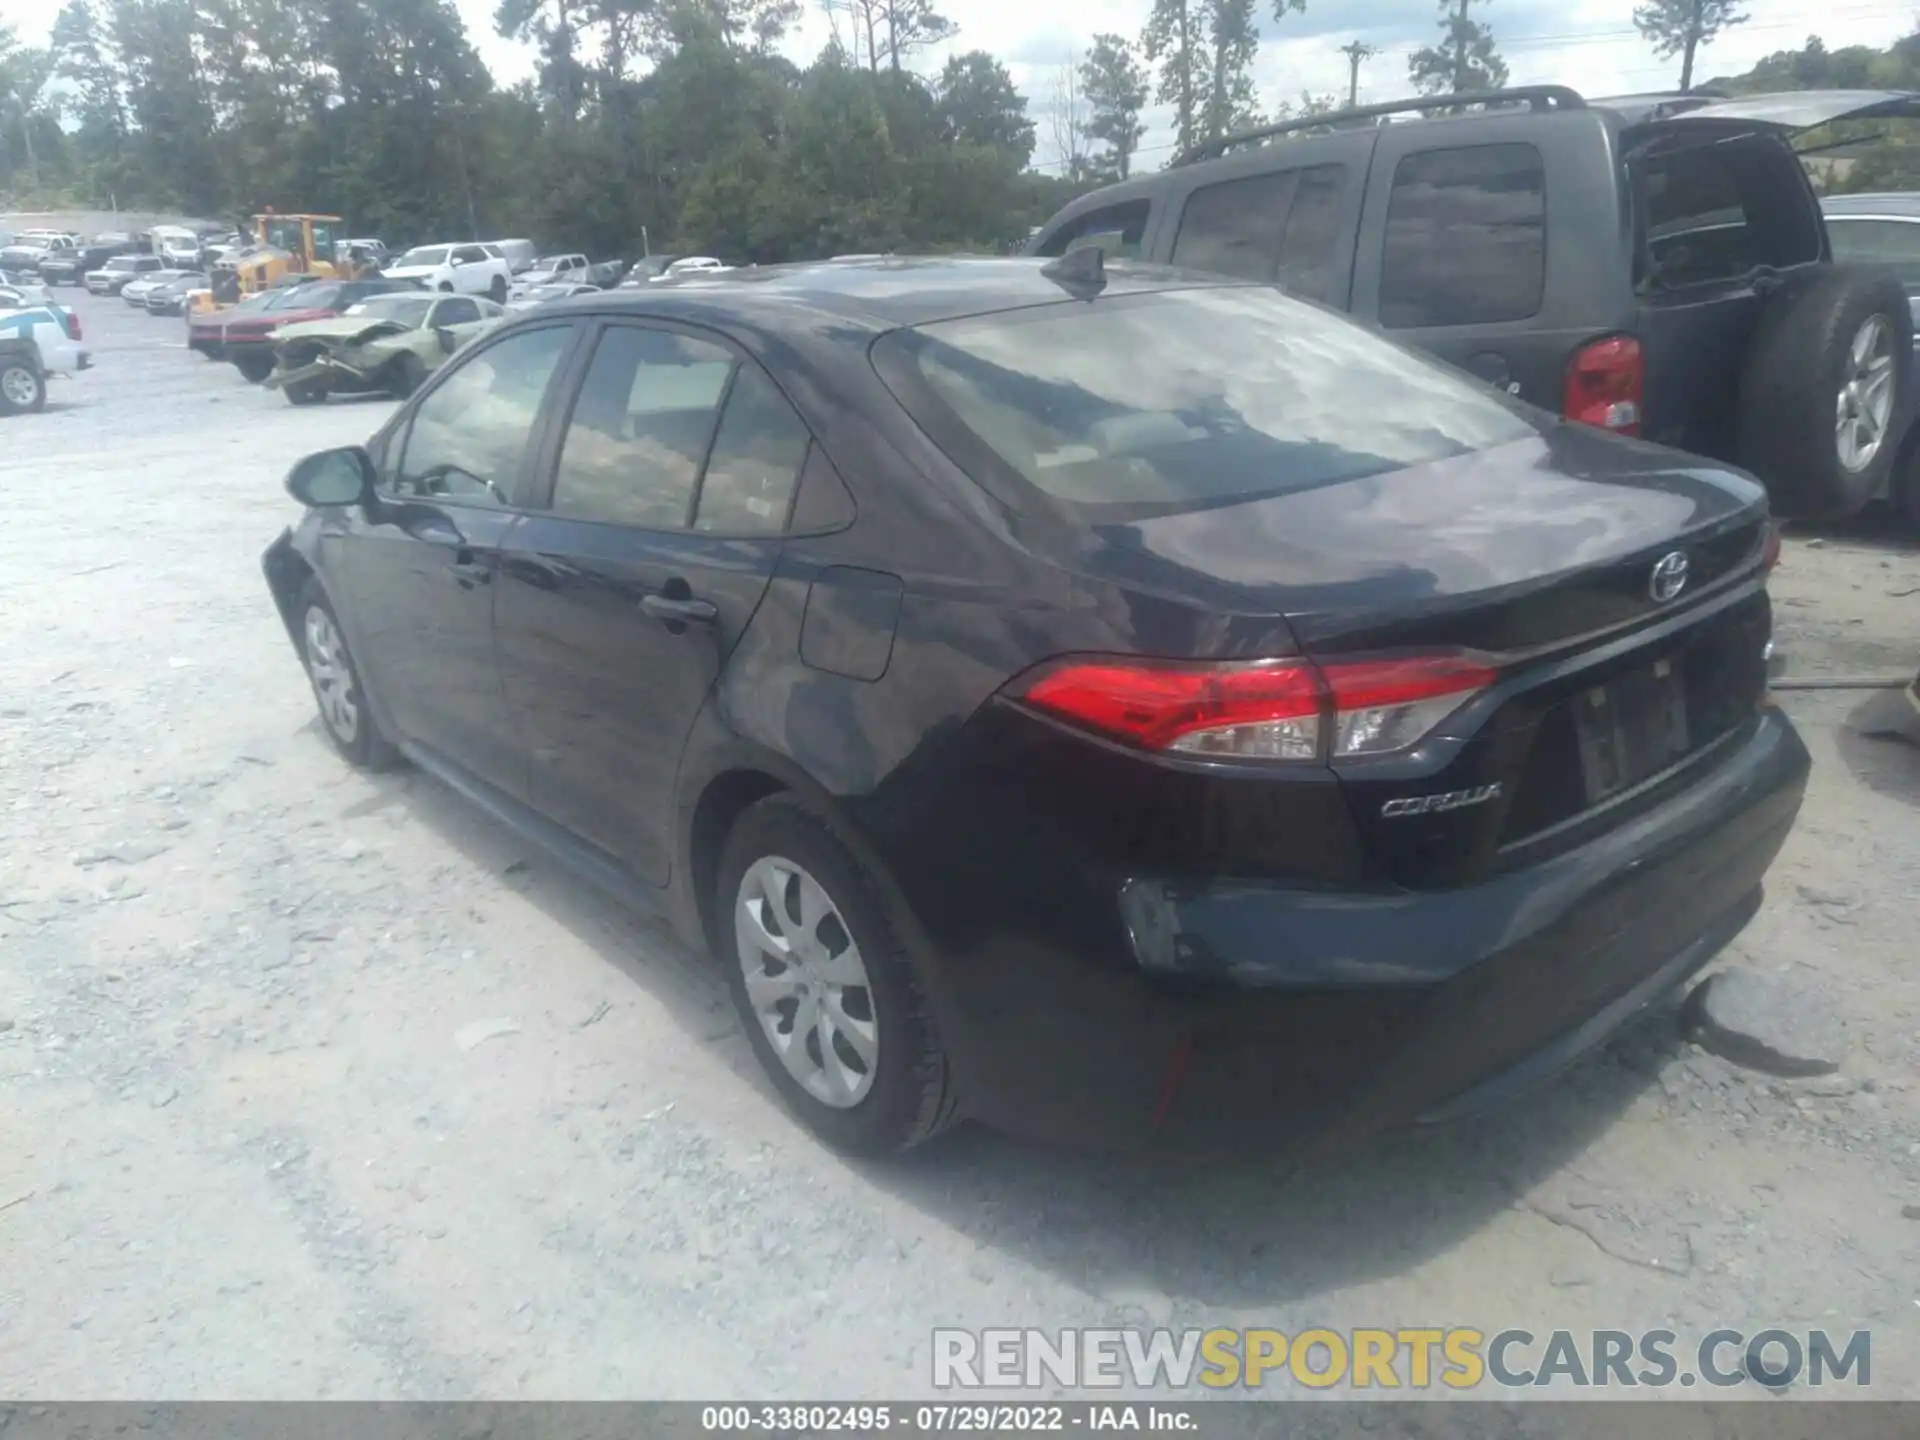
x=1588, y=44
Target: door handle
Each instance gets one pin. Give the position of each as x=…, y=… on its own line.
x=676, y=610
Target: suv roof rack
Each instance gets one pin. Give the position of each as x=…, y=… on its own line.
x=1537, y=97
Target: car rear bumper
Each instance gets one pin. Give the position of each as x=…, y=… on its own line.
x=1251, y=1014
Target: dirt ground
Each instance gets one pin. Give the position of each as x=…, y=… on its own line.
x=244, y=1150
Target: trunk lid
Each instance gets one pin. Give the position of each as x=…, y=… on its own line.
x=1532, y=545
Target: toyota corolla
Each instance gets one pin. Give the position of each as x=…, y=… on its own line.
x=1118, y=706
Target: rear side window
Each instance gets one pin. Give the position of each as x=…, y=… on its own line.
x=1282, y=227
x=1182, y=399
x=1878, y=242
x=757, y=455
x=1466, y=240
x=1119, y=231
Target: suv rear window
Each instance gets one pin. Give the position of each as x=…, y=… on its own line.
x=1282, y=227
x=1183, y=399
x=1466, y=239
x=1714, y=211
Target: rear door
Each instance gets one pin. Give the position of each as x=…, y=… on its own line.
x=1722, y=213
x=623, y=595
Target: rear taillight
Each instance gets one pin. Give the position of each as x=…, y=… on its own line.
x=1606, y=383
x=73, y=325
x=1291, y=710
x=1770, y=549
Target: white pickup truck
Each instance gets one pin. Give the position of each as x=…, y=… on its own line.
x=37, y=341
x=467, y=269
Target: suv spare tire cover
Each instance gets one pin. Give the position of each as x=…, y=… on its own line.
x=1798, y=365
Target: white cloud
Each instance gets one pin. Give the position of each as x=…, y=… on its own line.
x=1588, y=44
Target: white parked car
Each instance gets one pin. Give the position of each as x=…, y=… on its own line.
x=176, y=246
x=468, y=269
x=550, y=270
x=114, y=276
x=54, y=331
x=689, y=266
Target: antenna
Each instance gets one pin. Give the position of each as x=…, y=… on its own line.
x=1082, y=271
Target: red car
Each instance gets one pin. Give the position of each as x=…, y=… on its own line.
x=244, y=333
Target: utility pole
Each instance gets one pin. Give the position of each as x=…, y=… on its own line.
x=1355, y=53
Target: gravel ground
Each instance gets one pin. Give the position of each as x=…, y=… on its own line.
x=252, y=1146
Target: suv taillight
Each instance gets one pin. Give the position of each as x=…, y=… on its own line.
x=1263, y=710
x=73, y=325
x=1606, y=381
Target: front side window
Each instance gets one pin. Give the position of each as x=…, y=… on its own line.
x=470, y=436
x=1182, y=399
x=469, y=254
x=460, y=311
x=1118, y=230
x=1466, y=240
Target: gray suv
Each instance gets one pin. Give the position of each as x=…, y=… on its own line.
x=1656, y=265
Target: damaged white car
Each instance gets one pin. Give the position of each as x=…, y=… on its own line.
x=387, y=343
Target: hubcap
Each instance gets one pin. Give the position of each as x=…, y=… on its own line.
x=1865, y=403
x=332, y=679
x=18, y=386
x=806, y=982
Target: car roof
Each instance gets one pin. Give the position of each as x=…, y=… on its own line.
x=876, y=295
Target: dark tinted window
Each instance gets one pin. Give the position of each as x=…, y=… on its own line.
x=1119, y=231
x=469, y=438
x=640, y=428
x=757, y=455
x=1878, y=242
x=469, y=254
x=1184, y=398
x=458, y=311
x=1713, y=212
x=1466, y=238
x=1282, y=227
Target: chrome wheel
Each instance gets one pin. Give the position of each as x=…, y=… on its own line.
x=332, y=677
x=19, y=386
x=1865, y=403
x=806, y=982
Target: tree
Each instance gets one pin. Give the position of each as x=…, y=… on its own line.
x=1115, y=87
x=1173, y=45
x=84, y=58
x=1067, y=121
x=978, y=105
x=1233, y=41
x=1464, y=61
x=1681, y=27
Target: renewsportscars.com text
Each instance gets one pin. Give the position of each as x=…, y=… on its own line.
x=1403, y=1358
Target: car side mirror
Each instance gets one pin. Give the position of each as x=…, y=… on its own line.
x=456, y=260
x=332, y=477
x=448, y=341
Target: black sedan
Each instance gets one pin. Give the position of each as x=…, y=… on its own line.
x=1113, y=705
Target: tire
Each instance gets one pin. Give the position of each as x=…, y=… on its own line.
x=307, y=392
x=446, y=287
x=253, y=368
x=902, y=1093
x=337, y=692
x=23, y=389
x=497, y=291
x=1843, y=341
x=409, y=374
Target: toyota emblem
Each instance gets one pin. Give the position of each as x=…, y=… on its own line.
x=1669, y=576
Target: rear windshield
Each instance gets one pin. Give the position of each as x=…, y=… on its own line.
x=1716, y=210
x=1184, y=399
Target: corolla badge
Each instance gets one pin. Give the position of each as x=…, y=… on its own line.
x=1438, y=804
x=1669, y=576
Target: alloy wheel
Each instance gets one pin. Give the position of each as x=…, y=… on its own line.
x=1864, y=406
x=18, y=385
x=806, y=982
x=332, y=677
